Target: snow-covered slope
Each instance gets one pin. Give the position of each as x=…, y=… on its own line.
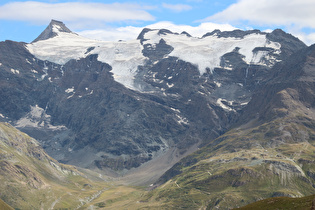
x=206, y=52
x=124, y=57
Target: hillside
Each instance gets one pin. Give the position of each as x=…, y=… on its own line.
x=304, y=203
x=268, y=153
x=5, y=206
x=30, y=179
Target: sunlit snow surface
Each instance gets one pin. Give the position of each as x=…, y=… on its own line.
x=206, y=52
x=124, y=57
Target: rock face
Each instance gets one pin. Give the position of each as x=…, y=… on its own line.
x=119, y=105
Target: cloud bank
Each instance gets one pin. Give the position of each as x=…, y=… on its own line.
x=129, y=32
x=294, y=15
x=177, y=7
x=276, y=12
x=38, y=12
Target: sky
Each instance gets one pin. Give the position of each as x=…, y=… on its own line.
x=113, y=20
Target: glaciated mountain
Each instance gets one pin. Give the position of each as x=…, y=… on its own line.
x=134, y=105
x=206, y=53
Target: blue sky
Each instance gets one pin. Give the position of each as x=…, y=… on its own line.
x=114, y=20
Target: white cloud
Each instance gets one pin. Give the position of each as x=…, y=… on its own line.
x=280, y=12
x=38, y=12
x=196, y=31
x=177, y=7
x=293, y=15
x=129, y=32
x=113, y=34
x=308, y=38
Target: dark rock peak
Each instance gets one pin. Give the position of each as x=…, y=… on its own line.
x=164, y=32
x=52, y=30
x=280, y=36
x=289, y=43
x=215, y=32
x=143, y=32
x=159, y=32
x=236, y=33
x=185, y=33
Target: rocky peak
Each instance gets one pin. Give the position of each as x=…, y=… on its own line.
x=52, y=30
x=141, y=35
x=235, y=33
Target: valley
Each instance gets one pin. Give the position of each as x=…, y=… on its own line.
x=165, y=121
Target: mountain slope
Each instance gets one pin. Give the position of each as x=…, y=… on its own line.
x=5, y=206
x=30, y=179
x=268, y=152
x=140, y=104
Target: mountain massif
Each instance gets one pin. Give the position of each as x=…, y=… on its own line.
x=212, y=122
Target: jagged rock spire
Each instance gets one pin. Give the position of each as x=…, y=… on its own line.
x=52, y=30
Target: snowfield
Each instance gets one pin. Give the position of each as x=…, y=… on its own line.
x=125, y=56
x=206, y=52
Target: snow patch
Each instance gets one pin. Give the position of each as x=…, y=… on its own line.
x=28, y=61
x=70, y=90
x=71, y=96
x=257, y=57
x=34, y=71
x=90, y=92
x=245, y=103
x=15, y=71
x=182, y=120
x=201, y=93
x=169, y=85
x=37, y=118
x=175, y=110
x=219, y=102
x=218, y=84
x=56, y=28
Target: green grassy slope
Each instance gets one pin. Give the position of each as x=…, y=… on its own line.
x=30, y=179
x=251, y=162
x=282, y=203
x=4, y=206
x=244, y=166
